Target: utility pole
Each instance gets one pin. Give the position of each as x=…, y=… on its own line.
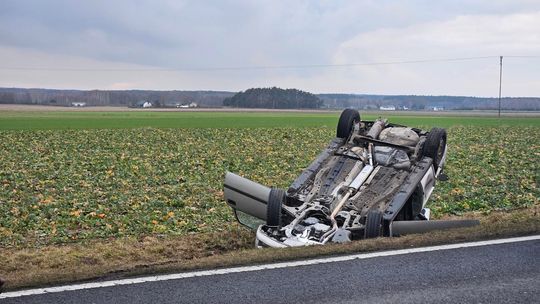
x=500, y=83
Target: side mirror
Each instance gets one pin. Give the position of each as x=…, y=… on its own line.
x=442, y=177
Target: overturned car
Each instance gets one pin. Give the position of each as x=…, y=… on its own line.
x=372, y=180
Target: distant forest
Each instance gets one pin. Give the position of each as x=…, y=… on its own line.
x=265, y=97
x=413, y=102
x=111, y=98
x=274, y=98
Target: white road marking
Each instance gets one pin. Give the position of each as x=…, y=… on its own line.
x=185, y=275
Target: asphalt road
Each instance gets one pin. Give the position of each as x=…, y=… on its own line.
x=504, y=273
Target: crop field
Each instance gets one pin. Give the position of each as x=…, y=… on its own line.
x=70, y=177
x=54, y=120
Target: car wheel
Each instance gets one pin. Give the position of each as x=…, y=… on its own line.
x=347, y=119
x=276, y=198
x=373, y=224
x=434, y=146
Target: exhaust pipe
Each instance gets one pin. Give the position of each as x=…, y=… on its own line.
x=409, y=227
x=355, y=185
x=376, y=128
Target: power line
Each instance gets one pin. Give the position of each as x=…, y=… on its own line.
x=522, y=56
x=275, y=67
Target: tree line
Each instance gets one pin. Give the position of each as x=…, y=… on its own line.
x=110, y=98
x=261, y=98
x=422, y=102
x=273, y=98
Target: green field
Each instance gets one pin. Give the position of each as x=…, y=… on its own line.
x=73, y=176
x=14, y=120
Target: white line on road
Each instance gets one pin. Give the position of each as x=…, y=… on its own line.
x=185, y=275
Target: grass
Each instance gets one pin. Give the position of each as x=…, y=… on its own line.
x=24, y=120
x=84, y=194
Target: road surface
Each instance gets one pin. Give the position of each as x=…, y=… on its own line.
x=500, y=273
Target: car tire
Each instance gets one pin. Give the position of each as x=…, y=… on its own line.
x=373, y=224
x=347, y=119
x=276, y=198
x=434, y=146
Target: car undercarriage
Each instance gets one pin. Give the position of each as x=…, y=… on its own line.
x=373, y=179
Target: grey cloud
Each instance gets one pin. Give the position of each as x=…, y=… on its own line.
x=200, y=33
x=184, y=34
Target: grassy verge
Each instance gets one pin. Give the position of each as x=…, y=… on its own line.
x=55, y=264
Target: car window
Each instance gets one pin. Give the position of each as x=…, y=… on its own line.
x=248, y=220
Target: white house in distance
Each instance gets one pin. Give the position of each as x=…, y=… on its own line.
x=387, y=108
x=78, y=104
x=190, y=105
x=143, y=104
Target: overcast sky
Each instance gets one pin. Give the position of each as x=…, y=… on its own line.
x=224, y=45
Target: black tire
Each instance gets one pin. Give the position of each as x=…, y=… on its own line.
x=373, y=224
x=347, y=119
x=434, y=146
x=276, y=198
